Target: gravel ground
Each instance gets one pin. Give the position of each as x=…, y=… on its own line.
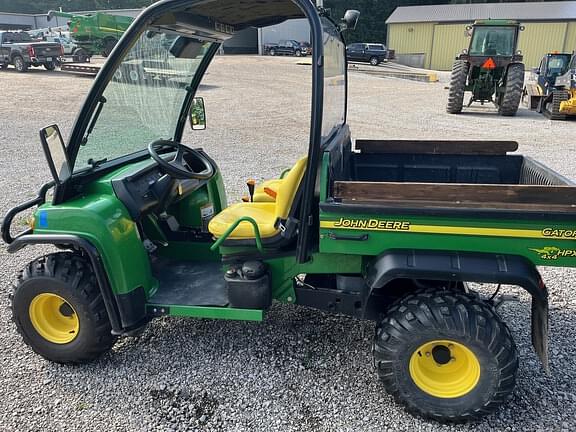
x=300, y=370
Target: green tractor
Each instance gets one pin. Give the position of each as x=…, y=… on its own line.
x=491, y=68
x=96, y=33
x=387, y=231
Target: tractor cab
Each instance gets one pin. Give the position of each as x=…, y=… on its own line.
x=492, y=39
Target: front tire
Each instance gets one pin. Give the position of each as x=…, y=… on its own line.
x=59, y=311
x=82, y=55
x=272, y=52
x=109, y=45
x=457, y=87
x=445, y=355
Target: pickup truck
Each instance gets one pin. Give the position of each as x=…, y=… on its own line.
x=288, y=47
x=20, y=50
x=70, y=48
x=367, y=52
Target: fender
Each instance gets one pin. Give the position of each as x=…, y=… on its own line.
x=469, y=267
x=126, y=314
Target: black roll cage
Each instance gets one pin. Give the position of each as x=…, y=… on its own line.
x=66, y=189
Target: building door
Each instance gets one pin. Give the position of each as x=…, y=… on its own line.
x=449, y=41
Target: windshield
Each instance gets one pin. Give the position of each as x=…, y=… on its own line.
x=142, y=102
x=558, y=65
x=493, y=41
x=334, y=80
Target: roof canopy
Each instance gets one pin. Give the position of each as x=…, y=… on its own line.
x=534, y=11
x=248, y=13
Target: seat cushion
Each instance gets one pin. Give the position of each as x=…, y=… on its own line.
x=262, y=212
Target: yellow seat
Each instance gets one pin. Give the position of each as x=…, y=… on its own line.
x=260, y=194
x=265, y=214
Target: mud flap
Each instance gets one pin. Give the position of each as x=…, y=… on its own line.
x=540, y=330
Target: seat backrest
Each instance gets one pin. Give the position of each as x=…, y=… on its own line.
x=288, y=188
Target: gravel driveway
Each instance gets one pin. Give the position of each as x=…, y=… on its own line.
x=300, y=370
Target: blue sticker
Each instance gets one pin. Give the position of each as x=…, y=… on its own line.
x=42, y=219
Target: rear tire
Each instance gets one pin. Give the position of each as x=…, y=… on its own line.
x=272, y=52
x=374, y=61
x=50, y=66
x=445, y=355
x=19, y=64
x=59, y=311
x=457, y=87
x=510, y=100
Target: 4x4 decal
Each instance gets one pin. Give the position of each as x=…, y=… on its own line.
x=553, y=253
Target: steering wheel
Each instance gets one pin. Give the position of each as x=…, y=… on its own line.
x=177, y=166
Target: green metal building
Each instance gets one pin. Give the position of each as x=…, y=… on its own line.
x=431, y=36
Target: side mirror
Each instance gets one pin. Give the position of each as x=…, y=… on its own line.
x=198, y=114
x=350, y=20
x=536, y=71
x=55, y=152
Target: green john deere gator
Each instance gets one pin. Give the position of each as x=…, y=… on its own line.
x=491, y=68
x=389, y=231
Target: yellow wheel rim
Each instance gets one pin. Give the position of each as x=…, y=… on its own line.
x=54, y=318
x=444, y=369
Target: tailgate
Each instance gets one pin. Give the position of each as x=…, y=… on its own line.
x=47, y=50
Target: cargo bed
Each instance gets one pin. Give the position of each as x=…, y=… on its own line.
x=436, y=174
x=447, y=195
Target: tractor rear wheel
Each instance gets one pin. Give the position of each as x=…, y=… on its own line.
x=457, y=87
x=59, y=311
x=552, y=106
x=445, y=355
x=510, y=100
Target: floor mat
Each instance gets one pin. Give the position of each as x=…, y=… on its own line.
x=189, y=283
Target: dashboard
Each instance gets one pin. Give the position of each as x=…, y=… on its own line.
x=150, y=190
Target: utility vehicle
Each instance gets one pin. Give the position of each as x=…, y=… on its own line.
x=389, y=231
x=491, y=68
x=552, y=88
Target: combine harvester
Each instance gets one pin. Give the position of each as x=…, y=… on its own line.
x=97, y=33
x=551, y=90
